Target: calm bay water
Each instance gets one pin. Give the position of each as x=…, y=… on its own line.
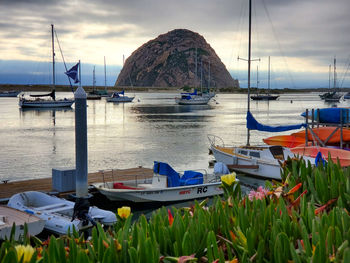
x=153, y=127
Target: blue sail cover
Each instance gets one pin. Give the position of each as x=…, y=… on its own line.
x=253, y=124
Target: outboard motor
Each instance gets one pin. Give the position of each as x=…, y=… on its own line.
x=81, y=211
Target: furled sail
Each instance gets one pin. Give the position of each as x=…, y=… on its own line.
x=51, y=94
x=253, y=124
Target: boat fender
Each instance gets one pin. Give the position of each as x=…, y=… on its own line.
x=221, y=168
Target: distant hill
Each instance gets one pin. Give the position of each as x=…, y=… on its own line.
x=170, y=61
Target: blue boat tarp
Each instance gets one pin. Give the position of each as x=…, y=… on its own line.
x=174, y=179
x=330, y=115
x=191, y=177
x=253, y=124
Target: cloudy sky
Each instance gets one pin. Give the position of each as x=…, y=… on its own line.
x=301, y=36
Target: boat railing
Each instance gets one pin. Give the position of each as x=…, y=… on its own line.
x=111, y=176
x=215, y=140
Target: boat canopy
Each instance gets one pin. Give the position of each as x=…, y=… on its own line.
x=253, y=124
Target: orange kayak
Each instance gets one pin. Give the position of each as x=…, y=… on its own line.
x=312, y=151
x=285, y=140
x=324, y=132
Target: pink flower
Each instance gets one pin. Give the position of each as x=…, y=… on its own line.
x=260, y=193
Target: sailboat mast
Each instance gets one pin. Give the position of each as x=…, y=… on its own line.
x=105, y=72
x=257, y=77
x=249, y=58
x=329, y=77
x=201, y=75
x=335, y=74
x=93, y=79
x=53, y=58
x=209, y=76
x=268, y=85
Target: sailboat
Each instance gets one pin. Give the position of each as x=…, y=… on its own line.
x=46, y=100
x=93, y=95
x=120, y=97
x=195, y=98
x=265, y=96
x=332, y=96
x=101, y=93
x=260, y=161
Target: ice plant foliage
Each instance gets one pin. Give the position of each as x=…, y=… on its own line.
x=304, y=218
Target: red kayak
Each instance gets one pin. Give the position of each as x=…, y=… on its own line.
x=289, y=141
x=324, y=132
x=312, y=151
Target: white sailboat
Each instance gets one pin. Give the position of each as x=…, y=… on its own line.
x=46, y=100
x=267, y=96
x=260, y=161
x=195, y=98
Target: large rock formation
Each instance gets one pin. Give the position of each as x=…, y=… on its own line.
x=170, y=61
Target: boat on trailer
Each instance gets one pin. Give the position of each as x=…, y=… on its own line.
x=166, y=185
x=57, y=212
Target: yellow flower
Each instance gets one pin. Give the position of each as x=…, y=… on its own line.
x=229, y=178
x=124, y=212
x=25, y=251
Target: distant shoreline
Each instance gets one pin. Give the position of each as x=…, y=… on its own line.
x=64, y=88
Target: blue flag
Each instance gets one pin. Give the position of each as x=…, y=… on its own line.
x=73, y=73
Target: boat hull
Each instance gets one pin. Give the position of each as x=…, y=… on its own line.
x=171, y=194
x=324, y=132
x=19, y=218
x=9, y=93
x=194, y=101
x=23, y=103
x=264, y=97
x=288, y=141
x=336, y=154
x=120, y=99
x=57, y=212
x=266, y=169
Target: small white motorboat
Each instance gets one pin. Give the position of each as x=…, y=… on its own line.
x=10, y=216
x=57, y=212
x=166, y=185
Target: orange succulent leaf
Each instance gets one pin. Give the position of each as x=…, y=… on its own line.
x=233, y=236
x=294, y=189
x=170, y=217
x=106, y=245
x=297, y=201
x=322, y=208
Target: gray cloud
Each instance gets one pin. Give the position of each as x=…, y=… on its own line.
x=310, y=30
